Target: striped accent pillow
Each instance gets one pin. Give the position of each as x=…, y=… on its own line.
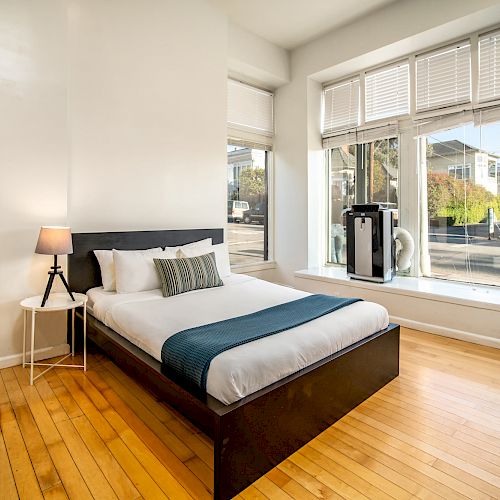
x=183, y=275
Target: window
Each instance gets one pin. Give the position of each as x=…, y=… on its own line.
x=387, y=92
x=247, y=205
x=462, y=200
x=493, y=168
x=341, y=106
x=445, y=137
x=249, y=108
x=489, y=66
x=250, y=123
x=359, y=173
x=443, y=77
x=459, y=171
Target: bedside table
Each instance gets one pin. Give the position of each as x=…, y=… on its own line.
x=56, y=302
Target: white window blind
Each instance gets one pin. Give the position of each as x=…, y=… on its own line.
x=489, y=66
x=360, y=136
x=341, y=106
x=387, y=92
x=249, y=108
x=443, y=77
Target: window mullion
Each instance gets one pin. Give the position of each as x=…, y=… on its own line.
x=474, y=67
x=362, y=100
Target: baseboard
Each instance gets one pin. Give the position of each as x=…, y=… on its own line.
x=447, y=332
x=43, y=353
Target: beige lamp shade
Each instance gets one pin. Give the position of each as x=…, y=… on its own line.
x=54, y=240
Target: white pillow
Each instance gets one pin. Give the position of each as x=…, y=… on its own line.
x=221, y=257
x=107, y=265
x=205, y=244
x=136, y=272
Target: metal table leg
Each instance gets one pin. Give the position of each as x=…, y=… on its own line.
x=73, y=333
x=84, y=337
x=33, y=316
x=24, y=337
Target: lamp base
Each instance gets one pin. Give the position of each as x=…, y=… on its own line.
x=56, y=271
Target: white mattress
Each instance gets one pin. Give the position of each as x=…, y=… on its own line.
x=147, y=319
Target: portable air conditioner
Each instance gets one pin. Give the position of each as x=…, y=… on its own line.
x=371, y=250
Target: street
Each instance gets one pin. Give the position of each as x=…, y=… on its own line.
x=246, y=243
x=449, y=259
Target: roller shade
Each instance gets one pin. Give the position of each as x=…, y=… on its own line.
x=445, y=122
x=340, y=106
x=360, y=136
x=489, y=66
x=387, y=92
x=443, y=77
x=249, y=108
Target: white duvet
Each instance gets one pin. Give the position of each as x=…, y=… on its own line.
x=147, y=319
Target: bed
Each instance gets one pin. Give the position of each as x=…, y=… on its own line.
x=240, y=417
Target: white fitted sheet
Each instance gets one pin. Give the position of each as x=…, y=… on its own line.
x=147, y=319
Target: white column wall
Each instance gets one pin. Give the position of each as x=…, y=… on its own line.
x=33, y=159
x=113, y=117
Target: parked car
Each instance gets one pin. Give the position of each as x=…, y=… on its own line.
x=256, y=214
x=235, y=210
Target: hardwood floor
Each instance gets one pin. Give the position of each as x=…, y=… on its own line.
x=434, y=432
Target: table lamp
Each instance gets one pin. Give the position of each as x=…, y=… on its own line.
x=54, y=240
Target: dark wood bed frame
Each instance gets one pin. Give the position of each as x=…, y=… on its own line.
x=256, y=433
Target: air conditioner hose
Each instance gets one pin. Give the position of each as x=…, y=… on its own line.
x=405, y=247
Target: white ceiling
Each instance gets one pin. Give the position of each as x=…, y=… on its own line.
x=290, y=23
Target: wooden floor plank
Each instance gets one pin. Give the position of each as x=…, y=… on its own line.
x=39, y=455
x=24, y=475
x=7, y=483
x=70, y=476
x=333, y=438
x=90, y=471
x=112, y=470
x=434, y=432
x=178, y=437
x=341, y=489
x=137, y=436
x=270, y=490
x=139, y=477
x=403, y=468
x=63, y=395
x=333, y=462
x=55, y=493
x=403, y=454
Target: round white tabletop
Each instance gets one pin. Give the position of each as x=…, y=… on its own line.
x=55, y=302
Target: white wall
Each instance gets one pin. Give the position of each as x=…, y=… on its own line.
x=33, y=157
x=113, y=117
x=256, y=60
x=147, y=107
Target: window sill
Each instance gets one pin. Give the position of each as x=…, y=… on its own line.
x=477, y=296
x=248, y=268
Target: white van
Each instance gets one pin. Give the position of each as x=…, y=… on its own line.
x=235, y=210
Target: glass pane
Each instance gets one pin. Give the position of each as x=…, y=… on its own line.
x=247, y=174
x=342, y=192
x=382, y=160
x=463, y=166
x=360, y=173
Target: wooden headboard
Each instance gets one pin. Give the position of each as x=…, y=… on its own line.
x=83, y=268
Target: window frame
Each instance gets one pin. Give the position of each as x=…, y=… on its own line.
x=466, y=43
x=473, y=39
x=383, y=69
x=411, y=156
x=360, y=189
x=244, y=136
x=268, y=261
